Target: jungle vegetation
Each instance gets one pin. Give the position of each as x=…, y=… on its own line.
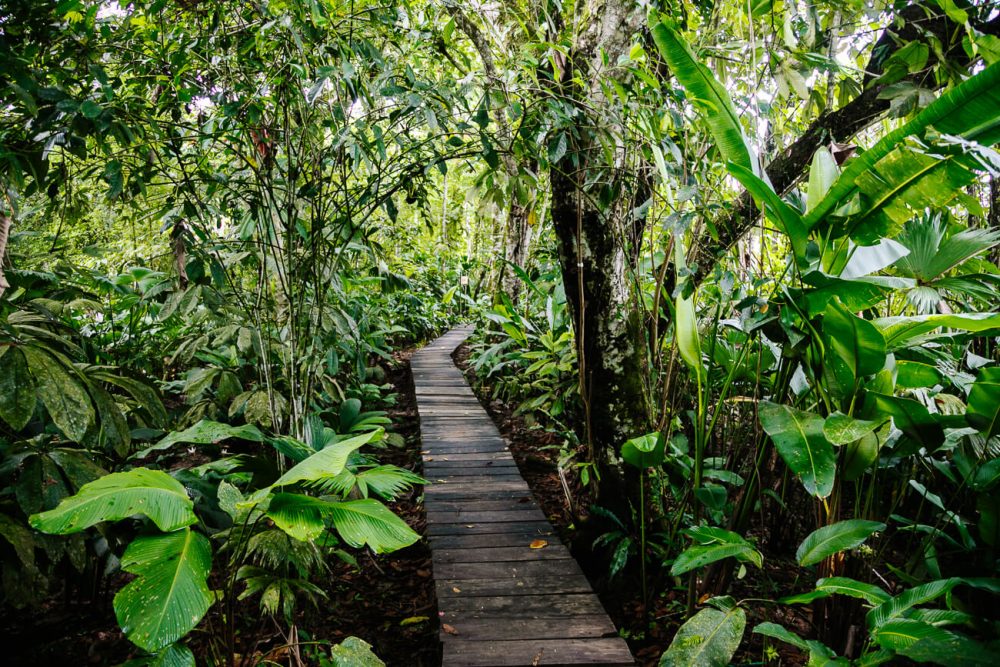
x=739, y=258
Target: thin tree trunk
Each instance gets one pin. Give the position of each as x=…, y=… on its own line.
x=5, y=225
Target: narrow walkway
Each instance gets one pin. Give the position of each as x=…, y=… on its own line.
x=510, y=593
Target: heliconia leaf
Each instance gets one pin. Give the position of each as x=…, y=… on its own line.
x=841, y=429
x=840, y=586
x=856, y=341
x=828, y=540
x=328, y=462
x=688, y=343
x=908, y=415
x=17, y=389
x=865, y=260
x=901, y=331
x=798, y=437
x=170, y=593
x=61, y=392
x=984, y=402
x=823, y=174
x=775, y=631
x=700, y=555
x=777, y=211
x=707, y=94
x=909, y=598
x=175, y=655
x=152, y=493
x=901, y=633
x=913, y=374
x=708, y=639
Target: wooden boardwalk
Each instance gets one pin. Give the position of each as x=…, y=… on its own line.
x=509, y=592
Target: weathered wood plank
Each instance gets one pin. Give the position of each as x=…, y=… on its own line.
x=476, y=541
x=483, y=528
x=450, y=588
x=552, y=568
x=494, y=516
x=522, y=554
x=537, y=652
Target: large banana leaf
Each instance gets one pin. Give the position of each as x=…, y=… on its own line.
x=170, y=593
x=119, y=495
x=902, y=331
x=855, y=341
x=971, y=111
x=777, y=211
x=798, y=437
x=708, y=96
x=828, y=586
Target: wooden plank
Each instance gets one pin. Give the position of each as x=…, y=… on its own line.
x=509, y=539
x=483, y=528
x=450, y=588
x=513, y=504
x=494, y=516
x=551, y=568
x=521, y=554
x=470, y=457
x=596, y=626
x=537, y=652
x=444, y=466
x=522, y=606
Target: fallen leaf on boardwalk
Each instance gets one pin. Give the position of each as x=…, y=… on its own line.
x=423, y=573
x=456, y=589
x=413, y=620
x=450, y=630
x=428, y=458
x=538, y=659
x=539, y=544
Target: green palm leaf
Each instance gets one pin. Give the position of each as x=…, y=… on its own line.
x=328, y=462
x=113, y=497
x=170, y=594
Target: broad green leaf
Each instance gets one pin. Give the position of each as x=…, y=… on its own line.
x=970, y=110
x=708, y=639
x=775, y=631
x=828, y=540
x=984, y=402
x=913, y=374
x=857, y=342
x=688, y=343
x=840, y=429
x=112, y=428
x=901, y=633
x=865, y=260
x=170, y=593
x=787, y=218
x=369, y=522
x=17, y=389
x=301, y=516
x=859, y=455
x=909, y=416
x=798, y=437
x=354, y=652
x=175, y=655
x=327, y=463
x=152, y=493
x=840, y=586
x=912, y=597
x=144, y=394
x=62, y=393
x=707, y=94
x=205, y=432
x=700, y=555
x=644, y=451
x=823, y=174
x=900, y=331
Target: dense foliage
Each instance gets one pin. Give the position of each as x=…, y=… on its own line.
x=740, y=258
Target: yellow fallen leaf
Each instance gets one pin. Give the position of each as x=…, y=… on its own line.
x=538, y=544
x=456, y=589
x=450, y=630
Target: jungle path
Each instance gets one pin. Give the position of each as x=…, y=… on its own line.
x=508, y=590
